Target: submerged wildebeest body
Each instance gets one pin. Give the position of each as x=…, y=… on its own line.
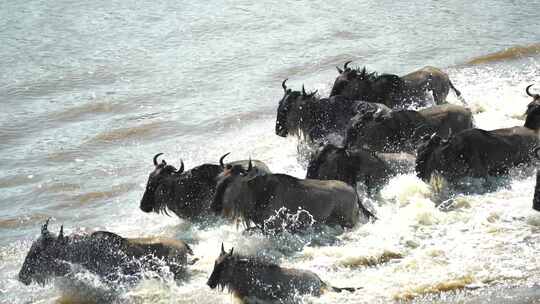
x=354, y=165
x=251, y=278
x=536, y=198
x=331, y=162
x=187, y=194
x=256, y=198
x=316, y=119
x=481, y=153
x=400, y=130
x=108, y=255
x=392, y=90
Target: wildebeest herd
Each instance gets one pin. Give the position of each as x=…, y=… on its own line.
x=371, y=127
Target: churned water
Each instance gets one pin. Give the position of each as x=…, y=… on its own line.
x=91, y=90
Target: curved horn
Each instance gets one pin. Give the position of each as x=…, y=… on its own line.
x=155, y=158
x=61, y=233
x=222, y=248
x=346, y=64
x=529, y=93
x=303, y=91
x=250, y=165
x=535, y=151
x=284, y=86
x=221, y=160
x=231, y=251
x=313, y=93
x=339, y=70
x=181, y=167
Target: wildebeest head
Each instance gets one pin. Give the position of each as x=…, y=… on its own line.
x=533, y=110
x=425, y=149
x=290, y=109
x=43, y=260
x=353, y=83
x=156, y=186
x=222, y=269
x=185, y=193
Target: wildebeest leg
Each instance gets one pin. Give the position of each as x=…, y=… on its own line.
x=438, y=97
x=256, y=227
x=178, y=271
x=367, y=213
x=340, y=289
x=458, y=93
x=477, y=166
x=536, y=199
x=264, y=192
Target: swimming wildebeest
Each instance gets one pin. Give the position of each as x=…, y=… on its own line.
x=306, y=115
x=392, y=90
x=401, y=130
x=354, y=165
x=108, y=255
x=256, y=198
x=187, y=194
x=481, y=153
x=250, y=278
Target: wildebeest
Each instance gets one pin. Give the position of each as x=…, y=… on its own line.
x=108, y=255
x=354, y=165
x=255, y=198
x=254, y=279
x=536, y=198
x=481, y=153
x=187, y=194
x=306, y=115
x=392, y=90
x=400, y=130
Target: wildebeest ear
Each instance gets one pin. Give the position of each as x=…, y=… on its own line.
x=339, y=70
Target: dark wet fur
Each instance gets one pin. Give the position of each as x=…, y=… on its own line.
x=480, y=153
x=253, y=277
x=114, y=258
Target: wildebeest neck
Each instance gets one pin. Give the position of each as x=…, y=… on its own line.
x=533, y=120
x=217, y=202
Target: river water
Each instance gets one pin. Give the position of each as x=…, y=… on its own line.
x=91, y=90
